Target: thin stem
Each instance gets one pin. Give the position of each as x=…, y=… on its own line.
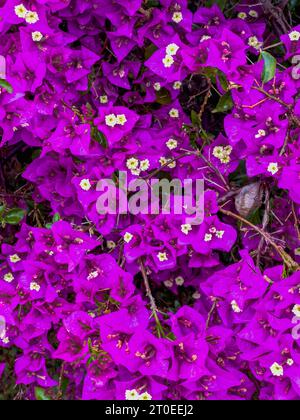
x=154, y=309
x=289, y=262
x=278, y=44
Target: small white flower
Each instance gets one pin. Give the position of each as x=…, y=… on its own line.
x=168, y=61
x=121, y=119
x=290, y=362
x=35, y=286
x=253, y=13
x=157, y=86
x=227, y=150
x=219, y=234
x=14, y=258
x=186, y=228
x=260, y=133
x=103, y=99
x=31, y=17
x=5, y=340
x=111, y=120
x=128, y=237
x=177, y=17
x=8, y=277
x=132, y=163
x=163, y=161
x=136, y=172
x=174, y=113
x=273, y=168
x=145, y=396
x=168, y=283
x=144, y=165
x=177, y=85
x=218, y=151
x=296, y=310
x=131, y=394
x=111, y=245
x=225, y=159
x=172, y=49
x=212, y=230
x=196, y=295
x=85, y=184
x=37, y=36
x=222, y=153
x=254, y=42
x=294, y=35
x=179, y=281
x=20, y=11
x=235, y=307
x=276, y=369
x=172, y=144
x=242, y=15
x=207, y=237
x=172, y=165
x=162, y=256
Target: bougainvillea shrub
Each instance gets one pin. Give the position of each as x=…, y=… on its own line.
x=148, y=306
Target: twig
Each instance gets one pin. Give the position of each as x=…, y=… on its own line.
x=153, y=306
x=289, y=107
x=212, y=309
x=265, y=222
x=287, y=259
x=296, y=221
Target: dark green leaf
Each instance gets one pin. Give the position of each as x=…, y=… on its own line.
x=220, y=3
x=99, y=137
x=195, y=118
x=223, y=80
x=7, y=86
x=269, y=66
x=2, y=209
x=163, y=97
x=225, y=103
x=14, y=216
x=171, y=336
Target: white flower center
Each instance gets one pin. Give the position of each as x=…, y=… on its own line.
x=162, y=256
x=85, y=184
x=35, y=286
x=273, y=168
x=37, y=36
x=276, y=369
x=8, y=277
x=128, y=237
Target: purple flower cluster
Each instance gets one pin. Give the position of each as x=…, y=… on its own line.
x=148, y=306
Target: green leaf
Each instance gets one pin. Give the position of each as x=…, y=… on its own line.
x=14, y=216
x=210, y=72
x=2, y=210
x=195, y=118
x=99, y=137
x=40, y=394
x=225, y=103
x=7, y=86
x=171, y=336
x=56, y=217
x=269, y=66
x=223, y=80
x=163, y=97
x=220, y=3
